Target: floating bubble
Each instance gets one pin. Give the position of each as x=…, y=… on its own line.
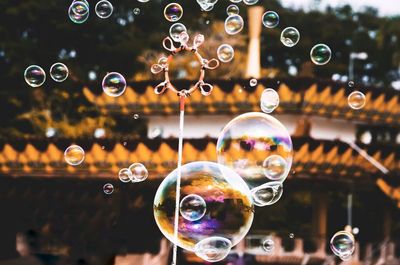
x=267, y=194
x=291, y=235
x=274, y=167
x=79, y=8
x=270, y=19
x=136, y=11
x=108, y=188
x=114, y=84
x=269, y=100
x=173, y=12
x=290, y=36
x=268, y=245
x=74, y=155
x=250, y=2
x=232, y=10
x=229, y=211
x=351, y=83
x=234, y=24
x=247, y=140
x=253, y=82
x=225, y=53
x=125, y=175
x=192, y=207
x=342, y=244
x=320, y=54
x=34, y=76
x=76, y=18
x=59, y=72
x=213, y=249
x=136, y=116
x=104, y=9
x=175, y=31
x=139, y=172
x=356, y=100
x=236, y=1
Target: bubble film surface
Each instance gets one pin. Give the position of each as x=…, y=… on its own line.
x=74, y=155
x=229, y=213
x=342, y=244
x=192, y=207
x=321, y=54
x=34, y=76
x=59, y=72
x=114, y=84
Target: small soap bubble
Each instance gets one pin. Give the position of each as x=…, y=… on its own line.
x=79, y=8
x=114, y=84
x=270, y=19
x=139, y=172
x=232, y=10
x=104, y=9
x=234, y=24
x=269, y=100
x=267, y=194
x=59, y=72
x=342, y=244
x=356, y=100
x=291, y=235
x=253, y=82
x=173, y=12
x=225, y=53
x=268, y=245
x=34, y=76
x=175, y=31
x=136, y=11
x=108, y=188
x=125, y=175
x=213, y=249
x=274, y=167
x=351, y=83
x=192, y=207
x=77, y=18
x=321, y=54
x=74, y=155
x=290, y=36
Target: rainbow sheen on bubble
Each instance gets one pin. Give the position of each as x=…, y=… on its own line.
x=74, y=155
x=229, y=212
x=173, y=12
x=34, y=76
x=192, y=207
x=213, y=249
x=343, y=244
x=114, y=84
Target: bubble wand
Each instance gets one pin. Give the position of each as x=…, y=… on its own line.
x=205, y=88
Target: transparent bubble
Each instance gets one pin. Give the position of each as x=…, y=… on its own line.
x=247, y=140
x=250, y=2
x=79, y=8
x=270, y=19
x=74, y=155
x=136, y=116
x=351, y=83
x=291, y=235
x=143, y=1
x=234, y=24
x=274, y=167
x=192, y=207
x=173, y=12
x=253, y=82
x=213, y=249
x=125, y=175
x=232, y=10
x=320, y=54
x=114, y=84
x=268, y=245
x=207, y=7
x=236, y=1
x=229, y=211
x=59, y=72
x=175, y=31
x=267, y=194
x=342, y=244
x=34, y=76
x=139, y=172
x=356, y=100
x=108, y=188
x=136, y=11
x=269, y=100
x=104, y=9
x=225, y=53
x=76, y=18
x=290, y=36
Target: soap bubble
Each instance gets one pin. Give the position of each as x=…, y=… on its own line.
x=34, y=76
x=356, y=100
x=320, y=54
x=270, y=19
x=291, y=235
x=59, y=72
x=290, y=36
x=229, y=211
x=74, y=155
x=253, y=82
x=236, y=1
x=213, y=249
x=173, y=12
x=250, y=2
x=234, y=24
x=247, y=140
x=192, y=207
x=351, y=83
x=225, y=53
x=125, y=175
x=274, y=167
x=136, y=11
x=267, y=194
x=108, y=188
x=342, y=244
x=76, y=18
x=136, y=116
x=232, y=10
x=268, y=245
x=269, y=100
x=114, y=84
x=175, y=31
x=104, y=9
x=139, y=172
x=79, y=8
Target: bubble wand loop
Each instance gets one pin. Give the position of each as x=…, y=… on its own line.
x=205, y=88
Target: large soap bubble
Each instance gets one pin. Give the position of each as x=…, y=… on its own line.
x=229, y=213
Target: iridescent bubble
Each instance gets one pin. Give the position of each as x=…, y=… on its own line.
x=213, y=249
x=269, y=100
x=192, y=207
x=342, y=244
x=267, y=194
x=125, y=175
x=225, y=53
x=74, y=155
x=270, y=19
x=108, y=188
x=114, y=84
x=290, y=36
x=34, y=76
x=59, y=72
x=76, y=18
x=253, y=82
x=104, y=9
x=274, y=167
x=225, y=194
x=320, y=54
x=79, y=8
x=139, y=172
x=250, y=2
x=173, y=12
x=356, y=100
x=232, y=10
x=175, y=31
x=247, y=140
x=234, y=24
x=268, y=245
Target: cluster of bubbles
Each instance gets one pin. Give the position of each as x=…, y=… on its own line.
x=114, y=84
x=269, y=100
x=225, y=53
x=35, y=76
x=74, y=155
x=78, y=11
x=136, y=172
x=343, y=245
